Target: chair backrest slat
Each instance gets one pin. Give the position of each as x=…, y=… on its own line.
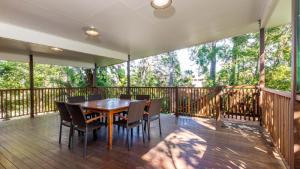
x=136, y=111
x=76, y=113
x=94, y=97
x=142, y=97
x=63, y=111
x=76, y=99
x=125, y=96
x=155, y=107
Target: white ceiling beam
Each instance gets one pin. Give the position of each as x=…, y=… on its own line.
x=31, y=36
x=43, y=59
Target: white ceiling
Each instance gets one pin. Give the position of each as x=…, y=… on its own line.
x=131, y=26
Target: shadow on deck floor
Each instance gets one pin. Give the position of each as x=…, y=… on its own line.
x=186, y=143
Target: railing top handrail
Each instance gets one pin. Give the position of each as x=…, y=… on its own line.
x=179, y=87
x=278, y=92
x=241, y=87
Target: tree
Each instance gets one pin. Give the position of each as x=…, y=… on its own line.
x=162, y=70
x=13, y=75
x=206, y=57
x=244, y=60
x=278, y=57
x=112, y=76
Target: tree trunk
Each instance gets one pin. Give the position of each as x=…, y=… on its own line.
x=171, y=69
x=89, y=77
x=233, y=71
x=213, y=63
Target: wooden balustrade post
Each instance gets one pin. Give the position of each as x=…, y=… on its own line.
x=6, y=115
x=293, y=135
x=128, y=75
x=31, y=87
x=2, y=107
x=261, y=65
x=261, y=56
x=177, y=102
x=95, y=76
x=218, y=107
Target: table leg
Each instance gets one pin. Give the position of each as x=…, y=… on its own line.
x=110, y=131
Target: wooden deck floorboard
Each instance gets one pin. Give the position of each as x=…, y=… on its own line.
x=186, y=143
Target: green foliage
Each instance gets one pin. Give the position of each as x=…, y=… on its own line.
x=206, y=57
x=112, y=76
x=279, y=77
x=160, y=71
x=13, y=75
x=278, y=57
x=237, y=58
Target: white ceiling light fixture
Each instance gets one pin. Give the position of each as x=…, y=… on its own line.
x=56, y=49
x=161, y=4
x=91, y=31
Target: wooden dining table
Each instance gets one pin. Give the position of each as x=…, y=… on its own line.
x=109, y=107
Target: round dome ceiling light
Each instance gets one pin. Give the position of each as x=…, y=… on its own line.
x=91, y=31
x=161, y=4
x=56, y=49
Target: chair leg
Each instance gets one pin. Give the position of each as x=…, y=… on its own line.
x=60, y=128
x=148, y=129
x=70, y=136
x=127, y=138
x=145, y=125
x=95, y=134
x=143, y=133
x=159, y=126
x=85, y=143
x=131, y=137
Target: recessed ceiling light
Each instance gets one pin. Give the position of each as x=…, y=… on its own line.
x=161, y=4
x=56, y=49
x=91, y=31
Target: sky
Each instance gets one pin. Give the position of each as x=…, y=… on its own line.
x=183, y=57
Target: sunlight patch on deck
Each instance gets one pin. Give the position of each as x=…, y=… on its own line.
x=181, y=149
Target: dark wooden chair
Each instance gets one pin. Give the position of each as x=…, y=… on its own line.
x=65, y=119
x=153, y=114
x=133, y=119
x=125, y=96
x=81, y=123
x=94, y=97
x=76, y=99
x=80, y=99
x=142, y=97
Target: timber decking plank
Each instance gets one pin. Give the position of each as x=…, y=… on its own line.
x=187, y=143
x=5, y=163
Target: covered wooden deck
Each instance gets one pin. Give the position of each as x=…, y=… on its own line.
x=186, y=143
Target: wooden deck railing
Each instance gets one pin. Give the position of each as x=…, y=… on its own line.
x=230, y=101
x=240, y=102
x=188, y=101
x=198, y=101
x=275, y=107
